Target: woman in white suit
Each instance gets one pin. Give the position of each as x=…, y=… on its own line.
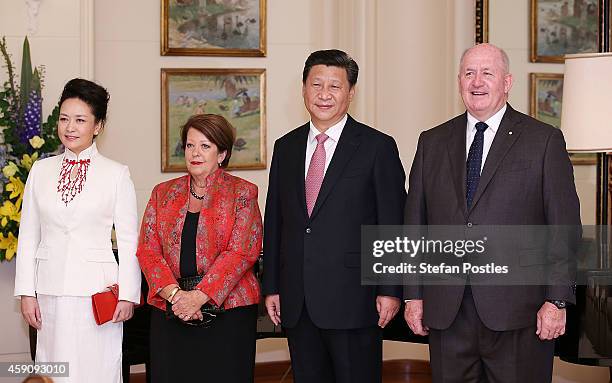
x=64, y=255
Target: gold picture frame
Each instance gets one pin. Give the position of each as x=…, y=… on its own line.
x=213, y=28
x=564, y=27
x=236, y=94
x=545, y=100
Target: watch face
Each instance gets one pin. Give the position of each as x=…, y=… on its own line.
x=559, y=304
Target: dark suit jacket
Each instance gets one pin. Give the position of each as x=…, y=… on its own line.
x=527, y=179
x=317, y=260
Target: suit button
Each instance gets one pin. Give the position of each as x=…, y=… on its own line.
x=308, y=230
x=470, y=224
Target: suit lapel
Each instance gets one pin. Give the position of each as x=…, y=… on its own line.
x=299, y=163
x=457, y=157
x=346, y=147
x=507, y=134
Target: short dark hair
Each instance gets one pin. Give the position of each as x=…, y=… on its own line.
x=216, y=129
x=332, y=57
x=89, y=92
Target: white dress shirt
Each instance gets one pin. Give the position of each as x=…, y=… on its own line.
x=489, y=134
x=333, y=133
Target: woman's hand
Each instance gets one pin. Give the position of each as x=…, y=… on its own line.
x=187, y=304
x=123, y=311
x=31, y=311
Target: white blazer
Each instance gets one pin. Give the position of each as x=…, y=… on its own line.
x=66, y=250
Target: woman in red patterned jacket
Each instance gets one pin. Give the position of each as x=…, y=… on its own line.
x=205, y=225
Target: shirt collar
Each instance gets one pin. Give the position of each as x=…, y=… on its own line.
x=333, y=132
x=493, y=121
x=88, y=153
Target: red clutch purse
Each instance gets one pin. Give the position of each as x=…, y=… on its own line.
x=104, y=304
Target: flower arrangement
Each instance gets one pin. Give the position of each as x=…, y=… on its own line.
x=24, y=138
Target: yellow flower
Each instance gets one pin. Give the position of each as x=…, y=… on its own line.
x=16, y=187
x=10, y=169
x=27, y=161
x=9, y=245
x=36, y=142
x=9, y=211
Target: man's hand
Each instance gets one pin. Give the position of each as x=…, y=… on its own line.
x=31, y=311
x=551, y=322
x=387, y=307
x=413, y=314
x=273, y=307
x=123, y=311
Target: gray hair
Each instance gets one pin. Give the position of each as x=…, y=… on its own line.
x=502, y=53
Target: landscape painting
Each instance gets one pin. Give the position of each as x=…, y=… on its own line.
x=560, y=27
x=236, y=94
x=213, y=27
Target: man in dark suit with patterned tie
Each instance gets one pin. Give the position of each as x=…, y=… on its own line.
x=328, y=177
x=494, y=166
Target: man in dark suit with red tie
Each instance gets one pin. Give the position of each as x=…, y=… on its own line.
x=494, y=166
x=329, y=177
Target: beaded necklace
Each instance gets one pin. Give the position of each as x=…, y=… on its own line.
x=193, y=193
x=67, y=186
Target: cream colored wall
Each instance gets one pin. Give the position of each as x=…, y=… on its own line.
x=60, y=45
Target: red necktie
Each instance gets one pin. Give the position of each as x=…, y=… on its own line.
x=316, y=170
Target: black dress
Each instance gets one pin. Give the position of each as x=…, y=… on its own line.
x=223, y=352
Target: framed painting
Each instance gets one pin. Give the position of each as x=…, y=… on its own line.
x=236, y=94
x=546, y=98
x=213, y=27
x=560, y=27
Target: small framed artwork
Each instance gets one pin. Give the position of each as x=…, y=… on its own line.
x=546, y=94
x=546, y=98
x=236, y=94
x=560, y=27
x=213, y=27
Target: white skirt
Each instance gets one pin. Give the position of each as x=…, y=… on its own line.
x=70, y=334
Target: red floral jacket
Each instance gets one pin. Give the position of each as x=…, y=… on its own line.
x=228, y=239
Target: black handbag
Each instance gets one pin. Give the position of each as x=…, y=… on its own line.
x=209, y=311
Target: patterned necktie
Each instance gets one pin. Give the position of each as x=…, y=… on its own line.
x=316, y=170
x=474, y=163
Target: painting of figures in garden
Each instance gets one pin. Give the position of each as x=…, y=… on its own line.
x=563, y=27
x=214, y=27
x=237, y=95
